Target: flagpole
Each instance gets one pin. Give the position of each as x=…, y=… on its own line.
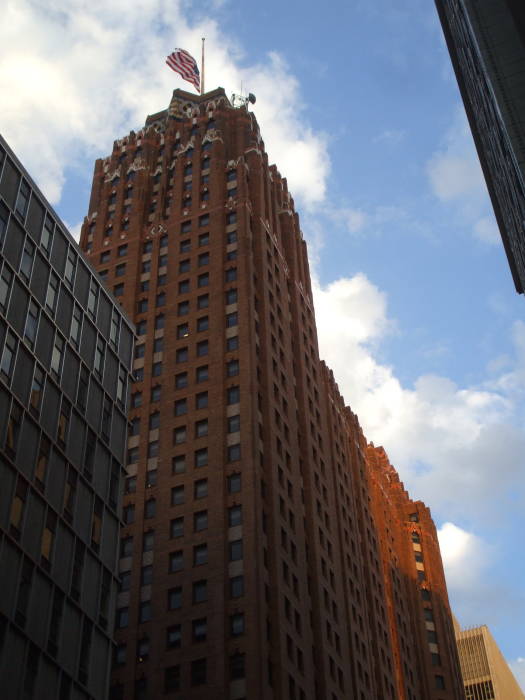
x=202, y=68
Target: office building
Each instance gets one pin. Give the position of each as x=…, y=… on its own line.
x=250, y=561
x=485, y=672
x=65, y=361
x=486, y=41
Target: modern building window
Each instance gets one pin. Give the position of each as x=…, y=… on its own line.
x=155, y=393
x=8, y=355
x=22, y=200
x=150, y=507
x=5, y=285
x=52, y=292
x=232, y=368
x=204, y=239
x=57, y=356
x=148, y=541
x=204, y=220
x=179, y=435
x=181, y=407
x=160, y=299
x=154, y=420
x=232, y=320
x=184, y=287
x=231, y=274
x=185, y=246
x=122, y=251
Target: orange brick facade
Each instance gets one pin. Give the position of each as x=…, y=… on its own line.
x=255, y=554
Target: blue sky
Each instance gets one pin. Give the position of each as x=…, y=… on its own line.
x=416, y=308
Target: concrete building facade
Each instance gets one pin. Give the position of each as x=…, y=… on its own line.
x=65, y=363
x=250, y=557
x=485, y=672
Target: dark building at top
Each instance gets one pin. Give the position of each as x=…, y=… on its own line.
x=65, y=355
x=486, y=41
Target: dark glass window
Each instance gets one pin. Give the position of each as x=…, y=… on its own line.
x=234, y=483
x=232, y=343
x=234, y=516
x=177, y=527
x=233, y=395
x=200, y=591
x=200, y=520
x=173, y=636
x=236, y=587
x=201, y=375
x=175, y=598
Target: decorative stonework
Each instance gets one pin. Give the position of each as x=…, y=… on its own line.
x=138, y=164
x=157, y=230
x=212, y=135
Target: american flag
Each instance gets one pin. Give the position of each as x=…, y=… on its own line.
x=185, y=65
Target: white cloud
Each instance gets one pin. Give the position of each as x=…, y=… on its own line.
x=464, y=556
x=456, y=178
x=79, y=75
x=390, y=136
x=518, y=669
x=446, y=440
x=353, y=220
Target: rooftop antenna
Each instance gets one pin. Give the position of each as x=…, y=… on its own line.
x=242, y=100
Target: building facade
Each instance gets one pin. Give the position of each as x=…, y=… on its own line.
x=65, y=361
x=485, y=672
x=250, y=557
x=486, y=41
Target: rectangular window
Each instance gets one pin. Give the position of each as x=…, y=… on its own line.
x=177, y=527
x=198, y=672
x=201, y=374
x=57, y=357
x=201, y=456
x=200, y=591
x=200, y=520
x=52, y=292
x=201, y=430
x=177, y=495
x=234, y=483
x=181, y=380
x=234, y=516
x=173, y=637
x=26, y=263
x=235, y=548
x=231, y=320
x=5, y=285
x=176, y=561
x=199, y=630
x=234, y=424
x=8, y=355
x=232, y=395
x=178, y=465
x=203, y=301
x=22, y=200
x=234, y=453
x=200, y=554
x=203, y=280
x=200, y=488
x=175, y=598
x=202, y=348
x=236, y=587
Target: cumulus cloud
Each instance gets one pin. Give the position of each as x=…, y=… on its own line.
x=446, y=440
x=456, y=178
x=79, y=75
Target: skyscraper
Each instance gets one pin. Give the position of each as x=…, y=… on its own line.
x=250, y=557
x=485, y=672
x=65, y=362
x=486, y=41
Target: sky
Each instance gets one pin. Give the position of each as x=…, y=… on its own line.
x=416, y=310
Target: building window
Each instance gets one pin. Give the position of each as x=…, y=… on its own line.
x=178, y=464
x=57, y=357
x=234, y=424
x=231, y=320
x=181, y=355
x=201, y=456
x=234, y=453
x=232, y=395
x=184, y=287
x=202, y=323
x=173, y=637
x=128, y=514
x=201, y=430
x=232, y=368
x=126, y=547
x=183, y=330
x=440, y=682
x=150, y=508
x=236, y=587
x=235, y=548
x=234, y=516
x=122, y=250
x=202, y=348
x=204, y=239
x=237, y=624
x=179, y=435
x=52, y=292
x=200, y=520
x=231, y=274
x=148, y=541
x=181, y=380
x=145, y=611
x=203, y=280
x=175, y=598
x=200, y=591
x=151, y=478
x=176, y=561
x=177, y=527
x=232, y=343
x=231, y=237
x=203, y=301
x=234, y=483
x=237, y=669
x=8, y=355
x=200, y=554
x=200, y=488
x=177, y=495
x=118, y=290
x=5, y=285
x=160, y=299
x=201, y=375
x=122, y=619
x=198, y=672
x=22, y=199
x=204, y=220
x=181, y=407
x=142, y=306
x=155, y=393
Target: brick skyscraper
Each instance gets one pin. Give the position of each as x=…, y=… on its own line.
x=251, y=561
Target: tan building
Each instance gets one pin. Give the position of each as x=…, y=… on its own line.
x=486, y=674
